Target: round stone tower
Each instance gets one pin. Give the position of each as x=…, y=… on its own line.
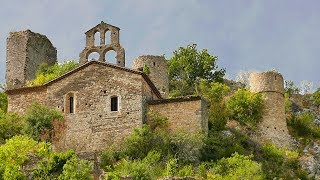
x=273, y=126
x=158, y=71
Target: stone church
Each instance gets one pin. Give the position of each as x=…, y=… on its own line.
x=102, y=102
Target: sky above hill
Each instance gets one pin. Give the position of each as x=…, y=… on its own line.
x=246, y=35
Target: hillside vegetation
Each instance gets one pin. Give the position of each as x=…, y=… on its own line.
x=151, y=152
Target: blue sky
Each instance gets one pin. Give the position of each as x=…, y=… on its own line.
x=246, y=35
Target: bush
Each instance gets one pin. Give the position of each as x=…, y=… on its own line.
x=303, y=125
x=316, y=98
x=76, y=169
x=219, y=145
x=236, y=167
x=280, y=163
x=47, y=73
x=147, y=168
x=246, y=107
x=3, y=102
x=39, y=120
x=10, y=125
x=14, y=153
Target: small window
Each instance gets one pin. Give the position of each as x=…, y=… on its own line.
x=71, y=104
x=114, y=103
x=154, y=64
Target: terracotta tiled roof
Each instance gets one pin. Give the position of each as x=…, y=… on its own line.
x=34, y=88
x=172, y=100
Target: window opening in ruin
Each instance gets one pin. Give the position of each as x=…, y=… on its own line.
x=107, y=37
x=110, y=57
x=114, y=103
x=93, y=56
x=97, y=38
x=71, y=104
x=154, y=64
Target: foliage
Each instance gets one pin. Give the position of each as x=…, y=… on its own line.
x=157, y=122
x=186, y=147
x=290, y=88
x=186, y=171
x=215, y=94
x=188, y=66
x=11, y=124
x=14, y=153
x=305, y=87
x=288, y=104
x=236, y=167
x=243, y=77
x=146, y=69
x=3, y=102
x=52, y=165
x=147, y=168
x=76, y=169
x=39, y=120
x=246, y=107
x=47, y=73
x=222, y=144
x=280, y=163
x=303, y=125
x=316, y=98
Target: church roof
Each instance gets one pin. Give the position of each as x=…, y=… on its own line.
x=34, y=88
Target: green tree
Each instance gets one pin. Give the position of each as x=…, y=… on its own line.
x=246, y=107
x=76, y=169
x=47, y=73
x=39, y=120
x=188, y=66
x=290, y=88
x=215, y=93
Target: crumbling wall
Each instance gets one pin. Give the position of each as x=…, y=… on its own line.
x=158, y=71
x=26, y=51
x=273, y=126
x=184, y=114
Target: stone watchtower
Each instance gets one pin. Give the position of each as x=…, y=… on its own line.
x=26, y=51
x=273, y=126
x=102, y=48
x=158, y=71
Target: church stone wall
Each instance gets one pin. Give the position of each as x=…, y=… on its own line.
x=93, y=127
x=183, y=114
x=273, y=126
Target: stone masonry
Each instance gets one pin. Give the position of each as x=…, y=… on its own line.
x=102, y=102
x=26, y=51
x=158, y=71
x=273, y=126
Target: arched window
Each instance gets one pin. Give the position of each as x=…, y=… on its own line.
x=93, y=56
x=114, y=103
x=97, y=38
x=111, y=57
x=107, y=37
x=70, y=103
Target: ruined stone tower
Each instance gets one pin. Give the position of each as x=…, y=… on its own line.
x=273, y=126
x=158, y=74
x=27, y=50
x=103, y=47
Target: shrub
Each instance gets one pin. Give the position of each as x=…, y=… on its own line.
x=39, y=120
x=316, y=98
x=303, y=125
x=219, y=145
x=15, y=152
x=10, y=125
x=147, y=168
x=76, y=169
x=186, y=171
x=3, y=102
x=236, y=167
x=246, y=107
x=47, y=73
